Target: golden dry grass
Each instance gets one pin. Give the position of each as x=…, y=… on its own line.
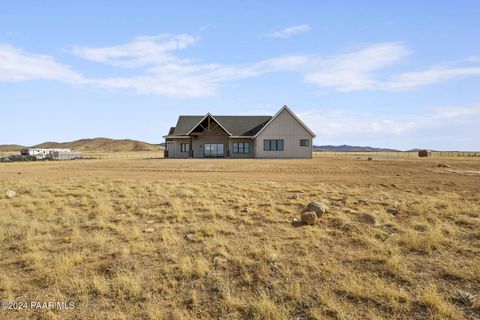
x=75, y=232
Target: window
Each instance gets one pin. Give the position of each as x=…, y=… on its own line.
x=273, y=145
x=241, y=147
x=213, y=150
x=304, y=142
x=184, y=147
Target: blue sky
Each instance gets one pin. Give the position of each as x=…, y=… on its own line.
x=399, y=74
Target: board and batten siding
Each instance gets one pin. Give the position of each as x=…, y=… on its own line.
x=284, y=126
x=174, y=148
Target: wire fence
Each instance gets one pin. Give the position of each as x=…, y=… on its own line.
x=159, y=154
x=408, y=154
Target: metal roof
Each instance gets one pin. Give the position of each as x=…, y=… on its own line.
x=236, y=125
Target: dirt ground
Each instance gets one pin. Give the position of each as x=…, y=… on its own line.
x=463, y=173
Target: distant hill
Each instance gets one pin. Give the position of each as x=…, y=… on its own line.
x=102, y=145
x=10, y=147
x=346, y=148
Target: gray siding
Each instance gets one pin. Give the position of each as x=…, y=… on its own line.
x=285, y=127
x=241, y=155
x=174, y=149
x=199, y=141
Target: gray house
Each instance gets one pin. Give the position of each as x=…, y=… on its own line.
x=283, y=136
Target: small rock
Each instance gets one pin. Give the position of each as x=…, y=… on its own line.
x=317, y=207
x=190, y=237
x=149, y=230
x=463, y=297
x=369, y=158
x=295, y=196
x=308, y=217
x=10, y=194
x=366, y=218
x=295, y=220
x=393, y=211
x=443, y=165
x=149, y=221
x=247, y=210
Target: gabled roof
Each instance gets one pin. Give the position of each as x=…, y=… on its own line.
x=235, y=125
x=293, y=114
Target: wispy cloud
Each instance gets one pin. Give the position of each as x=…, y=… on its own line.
x=288, y=32
x=153, y=66
x=415, y=79
x=17, y=65
x=355, y=70
x=340, y=126
x=142, y=51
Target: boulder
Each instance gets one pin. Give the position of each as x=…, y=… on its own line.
x=10, y=194
x=308, y=217
x=393, y=211
x=366, y=218
x=317, y=207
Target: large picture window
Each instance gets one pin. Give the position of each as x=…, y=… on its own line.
x=241, y=147
x=273, y=145
x=213, y=150
x=184, y=147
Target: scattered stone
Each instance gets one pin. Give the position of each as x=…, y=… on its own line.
x=366, y=218
x=190, y=237
x=295, y=196
x=149, y=221
x=463, y=297
x=10, y=194
x=369, y=158
x=247, y=210
x=308, y=217
x=443, y=165
x=393, y=211
x=317, y=207
x=273, y=257
x=149, y=230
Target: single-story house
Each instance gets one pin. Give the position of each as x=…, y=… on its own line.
x=283, y=136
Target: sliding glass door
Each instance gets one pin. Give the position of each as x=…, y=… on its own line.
x=213, y=150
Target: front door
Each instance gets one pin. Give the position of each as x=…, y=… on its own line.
x=213, y=150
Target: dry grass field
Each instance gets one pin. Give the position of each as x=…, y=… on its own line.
x=183, y=239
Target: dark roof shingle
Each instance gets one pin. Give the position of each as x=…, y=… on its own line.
x=236, y=125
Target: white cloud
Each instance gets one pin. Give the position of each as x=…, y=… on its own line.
x=355, y=70
x=155, y=68
x=142, y=51
x=331, y=124
x=410, y=80
x=17, y=65
x=288, y=32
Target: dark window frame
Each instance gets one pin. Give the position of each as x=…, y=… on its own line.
x=273, y=145
x=241, y=148
x=184, y=147
x=307, y=144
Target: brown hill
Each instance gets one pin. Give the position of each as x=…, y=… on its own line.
x=10, y=147
x=102, y=145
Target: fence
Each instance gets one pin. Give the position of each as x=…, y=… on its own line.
x=107, y=155
x=408, y=154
